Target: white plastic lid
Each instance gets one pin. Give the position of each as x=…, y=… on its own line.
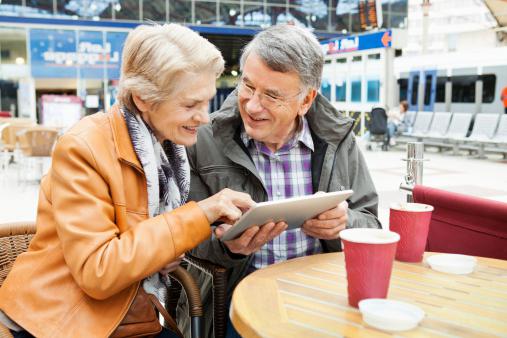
x=370, y=236
x=390, y=315
x=412, y=207
x=452, y=263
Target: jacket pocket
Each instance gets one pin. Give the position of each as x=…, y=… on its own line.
x=218, y=177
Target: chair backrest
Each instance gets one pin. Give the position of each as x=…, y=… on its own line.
x=459, y=125
x=464, y=224
x=38, y=141
x=484, y=126
x=378, y=121
x=14, y=240
x=440, y=123
x=501, y=132
x=422, y=122
x=14, y=127
x=409, y=118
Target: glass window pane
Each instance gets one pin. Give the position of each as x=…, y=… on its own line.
x=154, y=10
x=373, y=91
x=488, y=88
x=205, y=12
x=41, y=7
x=253, y=15
x=180, y=11
x=276, y=14
x=312, y=14
x=340, y=91
x=397, y=21
x=415, y=90
x=12, y=46
x=399, y=6
x=340, y=23
x=276, y=1
x=403, y=83
x=463, y=89
x=355, y=90
x=440, y=93
x=79, y=9
x=229, y=13
x=129, y=10
x=427, y=89
x=325, y=88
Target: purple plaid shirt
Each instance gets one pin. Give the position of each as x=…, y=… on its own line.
x=285, y=173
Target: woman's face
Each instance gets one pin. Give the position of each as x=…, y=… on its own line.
x=177, y=118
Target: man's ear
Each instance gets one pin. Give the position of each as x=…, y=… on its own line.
x=307, y=102
x=142, y=105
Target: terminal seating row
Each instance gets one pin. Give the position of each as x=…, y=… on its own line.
x=447, y=130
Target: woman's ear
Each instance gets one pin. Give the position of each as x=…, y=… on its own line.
x=307, y=102
x=142, y=105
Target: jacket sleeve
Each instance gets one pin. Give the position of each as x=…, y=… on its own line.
x=102, y=259
x=212, y=249
x=363, y=204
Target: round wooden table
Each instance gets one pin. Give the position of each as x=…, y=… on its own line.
x=307, y=297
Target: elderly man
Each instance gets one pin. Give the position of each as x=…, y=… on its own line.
x=275, y=137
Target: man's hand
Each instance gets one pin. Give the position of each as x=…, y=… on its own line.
x=328, y=224
x=253, y=238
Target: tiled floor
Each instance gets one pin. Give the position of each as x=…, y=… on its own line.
x=484, y=178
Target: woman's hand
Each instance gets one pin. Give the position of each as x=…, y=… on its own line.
x=227, y=205
x=171, y=266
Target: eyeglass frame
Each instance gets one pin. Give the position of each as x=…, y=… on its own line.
x=276, y=101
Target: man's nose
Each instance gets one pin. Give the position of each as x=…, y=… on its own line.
x=254, y=104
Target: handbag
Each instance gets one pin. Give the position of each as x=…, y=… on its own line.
x=142, y=319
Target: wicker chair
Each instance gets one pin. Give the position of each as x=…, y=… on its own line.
x=219, y=279
x=15, y=238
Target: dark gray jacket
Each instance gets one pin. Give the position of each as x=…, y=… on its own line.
x=220, y=160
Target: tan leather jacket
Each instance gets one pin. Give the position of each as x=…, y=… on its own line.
x=94, y=240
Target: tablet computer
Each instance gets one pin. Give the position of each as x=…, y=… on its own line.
x=294, y=211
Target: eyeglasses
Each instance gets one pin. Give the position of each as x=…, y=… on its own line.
x=268, y=101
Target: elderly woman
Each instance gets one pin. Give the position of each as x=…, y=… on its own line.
x=112, y=215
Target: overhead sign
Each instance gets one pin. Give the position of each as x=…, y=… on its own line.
x=67, y=53
x=381, y=39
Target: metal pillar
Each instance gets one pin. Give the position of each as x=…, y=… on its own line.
x=415, y=159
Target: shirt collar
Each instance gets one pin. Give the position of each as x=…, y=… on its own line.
x=302, y=135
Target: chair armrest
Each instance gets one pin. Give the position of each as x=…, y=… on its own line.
x=218, y=276
x=185, y=279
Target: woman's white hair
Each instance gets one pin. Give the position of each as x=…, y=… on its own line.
x=155, y=55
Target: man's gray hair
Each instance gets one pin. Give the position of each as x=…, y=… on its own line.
x=288, y=48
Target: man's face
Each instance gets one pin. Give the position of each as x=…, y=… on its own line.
x=270, y=102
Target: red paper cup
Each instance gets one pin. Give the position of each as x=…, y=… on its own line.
x=411, y=221
x=369, y=256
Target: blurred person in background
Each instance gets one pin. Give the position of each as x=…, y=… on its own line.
x=503, y=97
x=113, y=217
x=396, y=121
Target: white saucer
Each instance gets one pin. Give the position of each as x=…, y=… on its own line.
x=390, y=315
x=452, y=263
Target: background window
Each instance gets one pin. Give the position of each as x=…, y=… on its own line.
x=341, y=91
x=415, y=90
x=325, y=88
x=488, y=88
x=355, y=94
x=373, y=90
x=440, y=93
x=403, y=83
x=463, y=88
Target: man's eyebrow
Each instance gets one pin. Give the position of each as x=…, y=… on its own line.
x=272, y=92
